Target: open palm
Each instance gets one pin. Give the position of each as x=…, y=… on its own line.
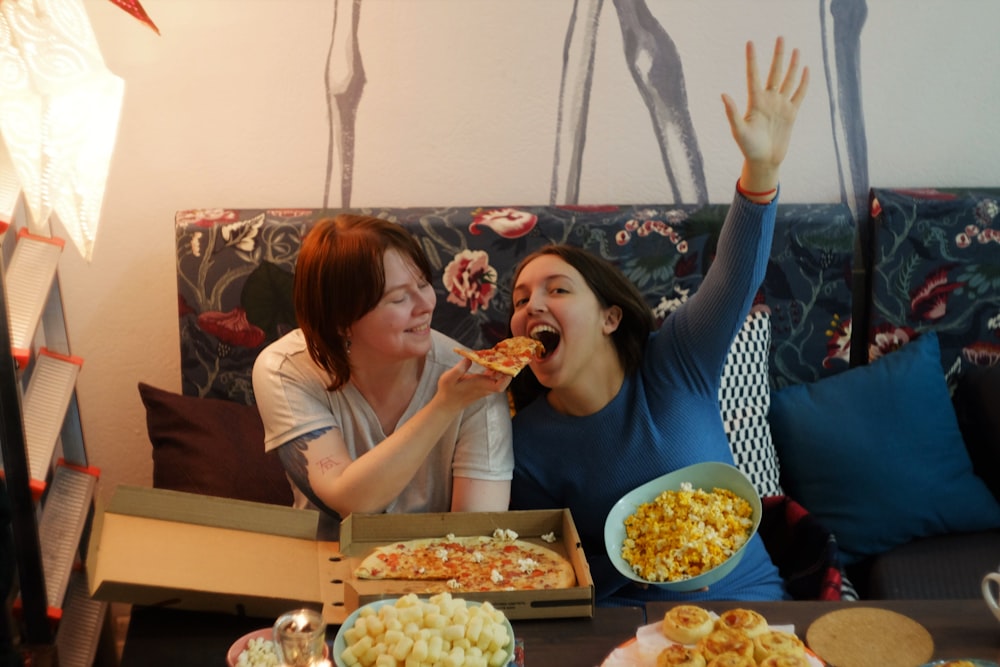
x=764, y=131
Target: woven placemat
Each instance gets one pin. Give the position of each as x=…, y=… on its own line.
x=869, y=637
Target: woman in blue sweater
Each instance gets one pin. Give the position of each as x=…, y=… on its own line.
x=622, y=403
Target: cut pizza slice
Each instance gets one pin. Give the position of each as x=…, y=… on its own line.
x=509, y=356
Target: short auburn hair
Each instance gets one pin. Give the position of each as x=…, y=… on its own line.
x=340, y=277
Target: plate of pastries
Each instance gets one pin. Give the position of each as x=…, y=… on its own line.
x=691, y=636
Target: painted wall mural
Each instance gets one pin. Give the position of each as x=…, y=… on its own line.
x=656, y=67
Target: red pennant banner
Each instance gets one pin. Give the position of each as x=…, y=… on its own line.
x=134, y=8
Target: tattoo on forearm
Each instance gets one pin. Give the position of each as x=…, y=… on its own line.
x=293, y=458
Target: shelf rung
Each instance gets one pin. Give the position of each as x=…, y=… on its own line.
x=46, y=400
x=29, y=278
x=61, y=528
x=80, y=628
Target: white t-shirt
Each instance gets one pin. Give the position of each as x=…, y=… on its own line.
x=292, y=398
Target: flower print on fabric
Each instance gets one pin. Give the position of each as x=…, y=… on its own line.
x=509, y=223
x=470, y=280
x=231, y=328
x=929, y=301
x=888, y=338
x=243, y=234
x=981, y=230
x=644, y=224
x=982, y=353
x=838, y=348
x=206, y=217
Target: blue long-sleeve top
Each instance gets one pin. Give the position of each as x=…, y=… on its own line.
x=664, y=417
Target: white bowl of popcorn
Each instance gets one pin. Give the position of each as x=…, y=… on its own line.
x=684, y=530
x=441, y=628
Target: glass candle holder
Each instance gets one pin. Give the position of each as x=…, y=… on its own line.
x=300, y=638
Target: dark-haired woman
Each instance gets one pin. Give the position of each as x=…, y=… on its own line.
x=620, y=403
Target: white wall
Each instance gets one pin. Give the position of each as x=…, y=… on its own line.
x=226, y=108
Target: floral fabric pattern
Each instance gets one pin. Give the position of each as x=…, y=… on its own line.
x=936, y=266
x=235, y=268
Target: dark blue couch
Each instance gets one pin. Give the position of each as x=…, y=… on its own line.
x=923, y=260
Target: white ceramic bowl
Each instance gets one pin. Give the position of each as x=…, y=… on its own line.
x=339, y=643
x=240, y=645
x=705, y=476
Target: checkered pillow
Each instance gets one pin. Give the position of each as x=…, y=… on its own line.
x=744, y=400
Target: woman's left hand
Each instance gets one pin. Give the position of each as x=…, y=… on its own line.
x=763, y=133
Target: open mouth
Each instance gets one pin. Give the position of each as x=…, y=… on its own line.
x=548, y=337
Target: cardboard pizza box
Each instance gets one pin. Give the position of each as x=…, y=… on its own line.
x=360, y=533
x=189, y=551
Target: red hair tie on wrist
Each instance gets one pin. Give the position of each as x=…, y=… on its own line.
x=748, y=193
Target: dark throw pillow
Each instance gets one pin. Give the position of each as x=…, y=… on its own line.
x=976, y=398
x=211, y=446
x=876, y=454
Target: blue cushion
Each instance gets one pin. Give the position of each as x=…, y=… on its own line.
x=876, y=454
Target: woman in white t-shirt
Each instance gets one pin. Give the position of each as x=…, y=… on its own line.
x=369, y=408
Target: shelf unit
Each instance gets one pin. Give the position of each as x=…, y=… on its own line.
x=48, y=480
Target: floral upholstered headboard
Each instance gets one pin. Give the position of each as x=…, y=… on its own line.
x=935, y=266
x=235, y=267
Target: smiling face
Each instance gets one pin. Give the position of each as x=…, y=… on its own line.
x=399, y=326
x=554, y=304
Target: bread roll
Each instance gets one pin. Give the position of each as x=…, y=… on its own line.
x=775, y=642
x=747, y=620
x=677, y=655
x=731, y=660
x=724, y=640
x=686, y=624
x=787, y=660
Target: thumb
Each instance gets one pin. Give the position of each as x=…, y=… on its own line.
x=732, y=113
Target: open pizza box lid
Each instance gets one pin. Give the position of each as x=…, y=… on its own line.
x=190, y=551
x=360, y=533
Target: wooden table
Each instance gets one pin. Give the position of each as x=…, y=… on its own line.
x=960, y=628
x=172, y=637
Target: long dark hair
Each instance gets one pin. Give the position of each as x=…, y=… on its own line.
x=611, y=288
x=340, y=277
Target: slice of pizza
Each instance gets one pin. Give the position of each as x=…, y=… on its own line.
x=509, y=356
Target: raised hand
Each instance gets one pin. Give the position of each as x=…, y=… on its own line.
x=764, y=131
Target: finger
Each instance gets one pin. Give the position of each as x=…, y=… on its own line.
x=777, y=64
x=492, y=380
x=800, y=92
x=792, y=74
x=732, y=113
x=753, y=79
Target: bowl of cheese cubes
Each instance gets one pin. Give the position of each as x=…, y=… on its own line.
x=440, y=629
x=684, y=530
